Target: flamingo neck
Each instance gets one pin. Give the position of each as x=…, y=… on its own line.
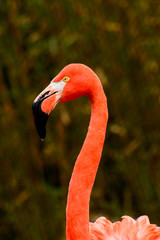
x=83, y=176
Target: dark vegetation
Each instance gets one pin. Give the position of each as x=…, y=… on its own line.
x=120, y=41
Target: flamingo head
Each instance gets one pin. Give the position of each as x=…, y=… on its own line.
x=74, y=80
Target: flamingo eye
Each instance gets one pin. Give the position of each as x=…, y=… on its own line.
x=66, y=79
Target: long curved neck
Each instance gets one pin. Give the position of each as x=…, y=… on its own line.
x=83, y=176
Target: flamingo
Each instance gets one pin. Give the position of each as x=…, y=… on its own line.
x=73, y=81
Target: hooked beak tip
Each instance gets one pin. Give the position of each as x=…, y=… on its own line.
x=40, y=119
x=42, y=106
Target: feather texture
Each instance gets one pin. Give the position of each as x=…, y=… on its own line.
x=127, y=229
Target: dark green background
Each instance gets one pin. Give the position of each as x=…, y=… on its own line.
x=120, y=41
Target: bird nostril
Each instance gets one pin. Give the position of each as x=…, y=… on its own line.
x=44, y=94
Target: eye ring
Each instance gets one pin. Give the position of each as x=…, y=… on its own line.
x=66, y=79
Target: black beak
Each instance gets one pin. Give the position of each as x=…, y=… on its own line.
x=40, y=118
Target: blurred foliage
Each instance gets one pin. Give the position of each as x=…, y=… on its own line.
x=120, y=41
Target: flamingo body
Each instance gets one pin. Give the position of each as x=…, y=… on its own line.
x=127, y=229
x=76, y=80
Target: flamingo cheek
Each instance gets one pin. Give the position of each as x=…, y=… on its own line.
x=70, y=92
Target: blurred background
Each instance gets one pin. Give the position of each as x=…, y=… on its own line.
x=120, y=41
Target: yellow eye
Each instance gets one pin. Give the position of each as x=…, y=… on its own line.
x=66, y=79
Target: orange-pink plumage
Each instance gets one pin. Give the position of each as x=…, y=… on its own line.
x=127, y=229
x=76, y=80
